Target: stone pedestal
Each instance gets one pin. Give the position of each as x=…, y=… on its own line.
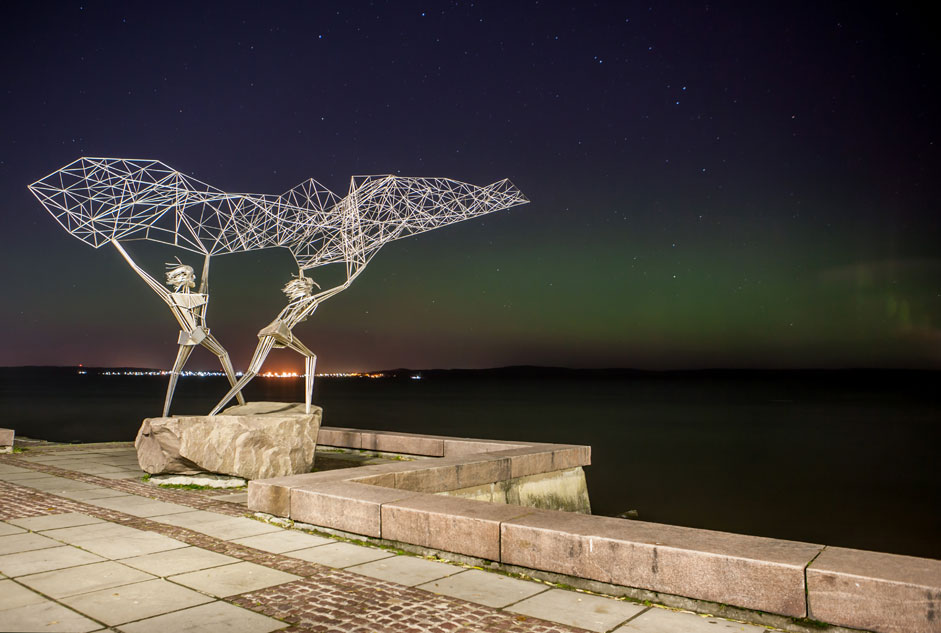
x=6, y=440
x=258, y=440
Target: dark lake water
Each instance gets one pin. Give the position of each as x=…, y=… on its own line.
x=841, y=458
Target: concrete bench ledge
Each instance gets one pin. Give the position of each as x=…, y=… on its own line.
x=410, y=443
x=876, y=591
x=753, y=572
x=342, y=505
x=450, y=524
x=396, y=502
x=473, y=463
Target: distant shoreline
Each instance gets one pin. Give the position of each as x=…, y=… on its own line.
x=535, y=372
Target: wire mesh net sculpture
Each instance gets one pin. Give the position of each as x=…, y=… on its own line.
x=112, y=200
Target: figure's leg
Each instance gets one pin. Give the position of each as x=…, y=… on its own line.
x=310, y=364
x=261, y=353
x=181, y=358
x=214, y=346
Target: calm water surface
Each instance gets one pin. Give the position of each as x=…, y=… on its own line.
x=845, y=459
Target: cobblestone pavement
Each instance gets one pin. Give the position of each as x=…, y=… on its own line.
x=315, y=597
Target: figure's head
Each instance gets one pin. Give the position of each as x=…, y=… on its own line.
x=299, y=287
x=180, y=276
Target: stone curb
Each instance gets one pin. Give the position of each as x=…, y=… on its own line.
x=396, y=502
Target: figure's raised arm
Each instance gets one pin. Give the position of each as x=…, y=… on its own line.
x=155, y=285
x=204, y=280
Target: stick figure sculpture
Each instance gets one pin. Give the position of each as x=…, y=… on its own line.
x=102, y=200
x=278, y=334
x=189, y=309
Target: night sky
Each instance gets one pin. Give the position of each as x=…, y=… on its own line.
x=712, y=185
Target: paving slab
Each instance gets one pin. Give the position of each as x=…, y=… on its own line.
x=178, y=561
x=41, y=458
x=218, y=525
x=283, y=541
x=54, y=521
x=235, y=497
x=406, y=570
x=139, y=506
x=75, y=464
x=6, y=529
x=63, y=583
x=484, y=588
x=229, y=580
x=135, y=602
x=97, y=469
x=661, y=620
x=594, y=613
x=93, y=493
x=207, y=618
x=80, y=533
x=56, y=484
x=124, y=474
x=14, y=595
x=23, y=475
x=189, y=519
x=115, y=547
x=14, y=543
x=36, y=561
x=66, y=454
x=121, y=462
x=230, y=528
x=8, y=469
x=47, y=616
x=65, y=464
x=340, y=555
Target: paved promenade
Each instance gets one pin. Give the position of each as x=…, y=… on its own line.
x=85, y=545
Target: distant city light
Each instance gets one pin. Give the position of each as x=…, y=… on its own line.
x=204, y=374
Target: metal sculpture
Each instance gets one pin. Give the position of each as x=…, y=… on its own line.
x=109, y=200
x=189, y=310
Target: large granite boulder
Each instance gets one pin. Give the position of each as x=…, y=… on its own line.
x=255, y=441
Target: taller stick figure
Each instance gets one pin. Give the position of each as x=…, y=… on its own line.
x=189, y=310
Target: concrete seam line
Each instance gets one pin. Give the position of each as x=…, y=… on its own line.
x=499, y=539
x=381, y=535
x=806, y=585
x=635, y=616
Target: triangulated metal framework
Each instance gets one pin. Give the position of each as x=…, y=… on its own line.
x=115, y=200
